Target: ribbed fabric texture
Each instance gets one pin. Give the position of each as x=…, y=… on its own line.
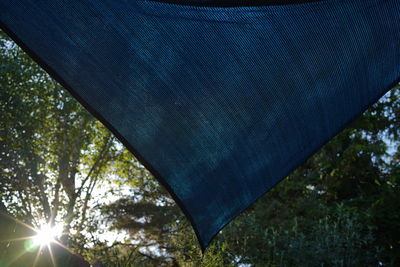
x=220, y=102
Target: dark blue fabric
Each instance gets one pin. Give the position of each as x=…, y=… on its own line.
x=220, y=102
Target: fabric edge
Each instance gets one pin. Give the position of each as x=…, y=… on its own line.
x=99, y=117
x=203, y=244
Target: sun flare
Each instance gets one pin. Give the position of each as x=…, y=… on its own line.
x=46, y=235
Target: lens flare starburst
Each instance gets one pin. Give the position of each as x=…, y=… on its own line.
x=46, y=234
x=44, y=237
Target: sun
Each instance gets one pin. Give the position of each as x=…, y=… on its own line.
x=46, y=235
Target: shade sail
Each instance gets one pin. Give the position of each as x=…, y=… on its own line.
x=219, y=100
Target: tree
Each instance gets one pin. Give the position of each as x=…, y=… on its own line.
x=53, y=153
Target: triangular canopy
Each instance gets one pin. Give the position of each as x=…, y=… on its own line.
x=219, y=100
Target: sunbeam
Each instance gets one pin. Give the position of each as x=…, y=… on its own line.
x=47, y=234
x=42, y=238
x=51, y=256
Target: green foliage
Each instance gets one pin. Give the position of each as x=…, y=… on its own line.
x=53, y=153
